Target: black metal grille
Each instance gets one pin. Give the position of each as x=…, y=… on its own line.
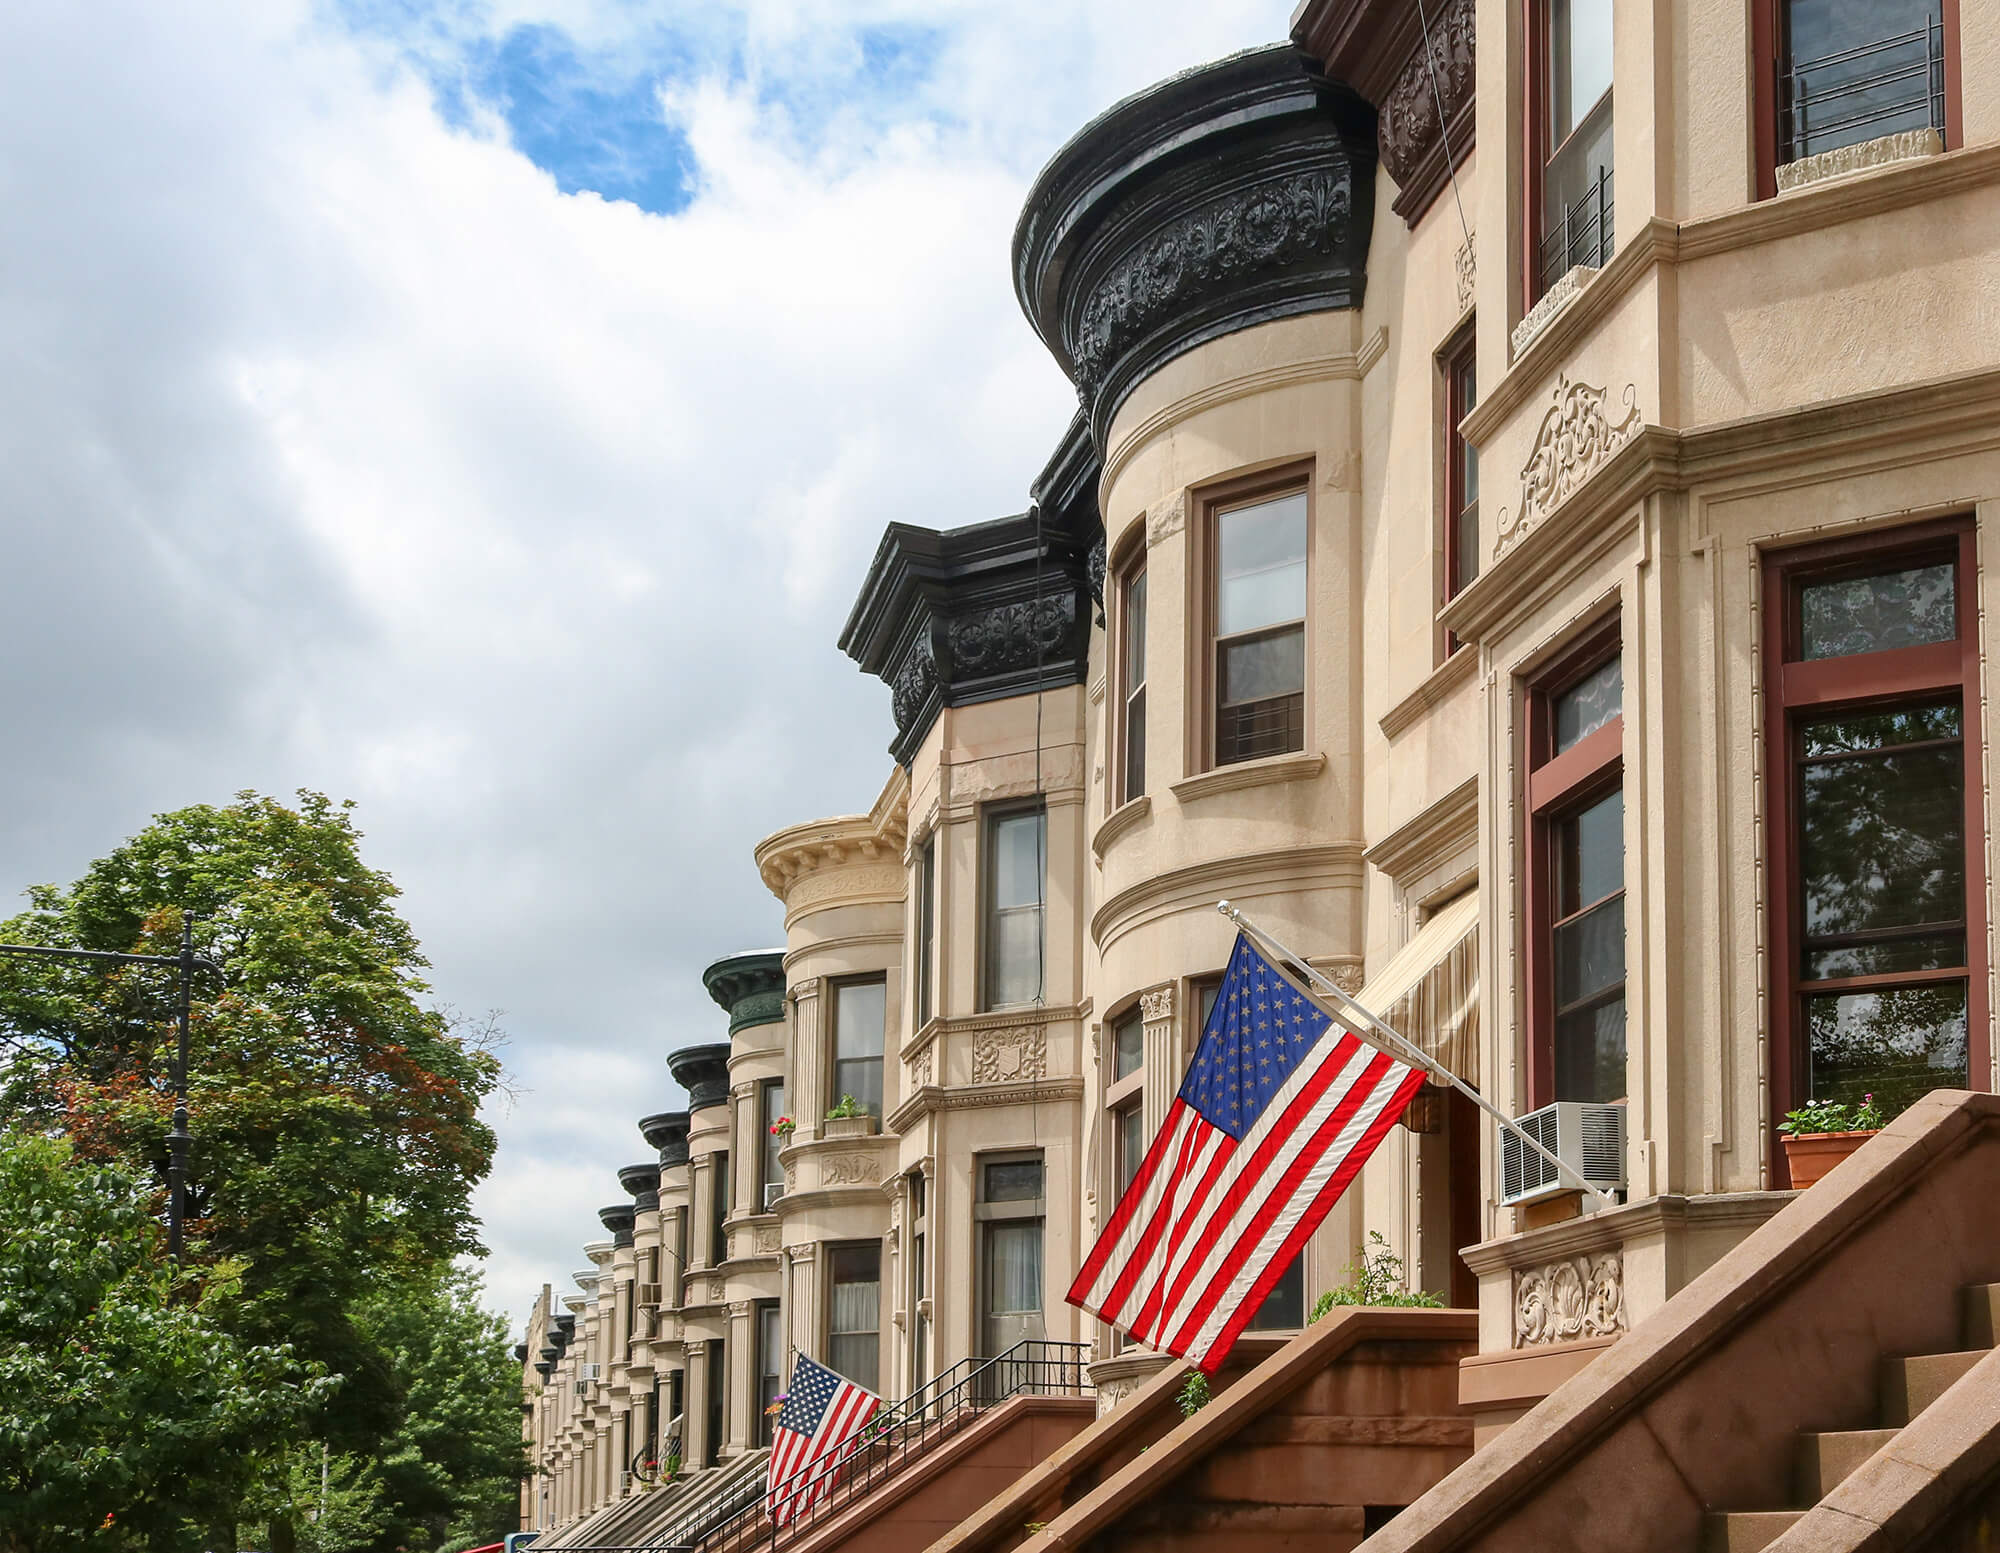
x=1249, y=729
x=1584, y=234
x=898, y=1436
x=1860, y=93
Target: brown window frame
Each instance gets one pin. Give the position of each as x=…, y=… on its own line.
x=1535, y=141
x=1886, y=677
x=834, y=987
x=1130, y=575
x=1459, y=354
x=1558, y=786
x=991, y=817
x=1767, y=57
x=1204, y=578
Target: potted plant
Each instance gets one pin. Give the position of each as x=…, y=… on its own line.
x=1821, y=1133
x=849, y=1118
x=784, y=1127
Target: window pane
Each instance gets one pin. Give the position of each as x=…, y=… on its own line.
x=1017, y=860
x=1467, y=400
x=1135, y=632
x=1579, y=62
x=1590, y=953
x=1905, y=608
x=1285, y=1306
x=860, y=1009
x=1261, y=667
x=1465, y=543
x=1590, y=1052
x=1261, y=565
x=854, y=1312
x=860, y=1077
x=854, y=1354
x=1896, y=1045
x=1015, y=1180
x=774, y=1107
x=1590, y=854
x=1128, y=1048
x=1017, y=958
x=1589, y=704
x=1882, y=835
x=1135, y=745
x=1014, y=1268
x=1856, y=70
x=926, y=929
x=1131, y=1140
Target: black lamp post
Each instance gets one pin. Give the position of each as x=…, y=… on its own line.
x=186, y=962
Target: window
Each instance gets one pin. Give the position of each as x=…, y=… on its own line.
x=926, y=929
x=672, y=1289
x=1284, y=1308
x=770, y=1365
x=860, y=1013
x=1257, y=611
x=854, y=1315
x=1128, y=1133
x=1010, y=1209
x=1132, y=686
x=1576, y=881
x=1874, y=725
x=919, y=1280
x=1573, y=123
x=1461, y=470
x=1016, y=853
x=1849, y=72
x=718, y=1206
x=1128, y=1044
x=771, y=1178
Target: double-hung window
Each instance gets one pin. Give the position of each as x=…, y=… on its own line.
x=1877, y=819
x=1846, y=72
x=771, y=1174
x=718, y=1207
x=854, y=1312
x=1573, y=218
x=1257, y=611
x=1132, y=686
x=1461, y=468
x=1016, y=870
x=770, y=1365
x=860, y=1015
x=1576, y=880
x=926, y=931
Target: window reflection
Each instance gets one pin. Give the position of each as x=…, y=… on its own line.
x=1907, y=608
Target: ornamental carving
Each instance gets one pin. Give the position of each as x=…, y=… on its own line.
x=872, y=879
x=1346, y=976
x=1467, y=265
x=921, y=1067
x=1266, y=227
x=1094, y=572
x=767, y=1240
x=1111, y=1392
x=1156, y=1005
x=716, y=1289
x=914, y=681
x=850, y=1170
x=999, y=1056
x=1576, y=439
x=1012, y=636
x=1581, y=1296
x=791, y=1178
x=1409, y=128
x=801, y=1255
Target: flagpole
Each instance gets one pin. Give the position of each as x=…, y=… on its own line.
x=1408, y=1050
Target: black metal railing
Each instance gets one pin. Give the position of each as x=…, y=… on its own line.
x=1860, y=93
x=1250, y=730
x=899, y=1435
x=1583, y=234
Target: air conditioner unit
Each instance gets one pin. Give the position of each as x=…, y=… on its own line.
x=773, y=1190
x=647, y=1296
x=1588, y=1138
x=586, y=1373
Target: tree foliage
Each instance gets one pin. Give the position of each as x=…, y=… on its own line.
x=131, y=1410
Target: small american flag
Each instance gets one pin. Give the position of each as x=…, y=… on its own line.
x=1280, y=1109
x=822, y=1412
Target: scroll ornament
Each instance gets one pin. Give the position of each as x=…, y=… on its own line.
x=1576, y=439
x=1578, y=1297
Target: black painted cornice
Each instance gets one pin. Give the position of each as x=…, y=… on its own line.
x=1227, y=196
x=619, y=1219
x=703, y=1071
x=643, y=1182
x=749, y=988
x=667, y=1131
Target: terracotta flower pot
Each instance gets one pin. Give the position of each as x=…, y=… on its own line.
x=1812, y=1154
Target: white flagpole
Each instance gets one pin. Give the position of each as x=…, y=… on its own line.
x=1403, y=1050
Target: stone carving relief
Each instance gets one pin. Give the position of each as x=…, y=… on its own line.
x=716, y=1289
x=1156, y=1005
x=874, y=879
x=1347, y=976
x=801, y=1255
x=767, y=1240
x=1581, y=1296
x=739, y=1309
x=1265, y=227
x=1468, y=271
x=1001, y=1056
x=791, y=1177
x=1094, y=569
x=1012, y=636
x=921, y=1066
x=849, y=1170
x=1112, y=1392
x=914, y=681
x=1409, y=127
x=1576, y=439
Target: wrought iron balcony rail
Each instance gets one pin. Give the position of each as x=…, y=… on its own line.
x=1585, y=234
x=1860, y=93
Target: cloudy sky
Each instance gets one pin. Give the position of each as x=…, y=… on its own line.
x=485, y=410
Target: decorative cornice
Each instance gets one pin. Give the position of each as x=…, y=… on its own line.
x=618, y=1218
x=748, y=987
x=1227, y=196
x=703, y=1071
x=1439, y=686
x=643, y=1182
x=1419, y=150
x=1120, y=820
x=978, y=1097
x=1430, y=835
x=1198, y=886
x=860, y=854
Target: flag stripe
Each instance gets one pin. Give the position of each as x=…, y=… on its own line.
x=1131, y=1203
x=1148, y=1202
x=1211, y=1154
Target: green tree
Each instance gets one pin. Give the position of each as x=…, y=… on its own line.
x=335, y=1113
x=131, y=1410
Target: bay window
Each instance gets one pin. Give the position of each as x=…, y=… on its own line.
x=1016, y=866
x=1257, y=617
x=1573, y=155
x=860, y=1016
x=1132, y=686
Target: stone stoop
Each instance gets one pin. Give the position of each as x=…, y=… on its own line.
x=1909, y=1386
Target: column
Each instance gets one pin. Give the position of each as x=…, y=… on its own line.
x=742, y=1378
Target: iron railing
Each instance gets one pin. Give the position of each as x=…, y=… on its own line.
x=899, y=1435
x=1859, y=93
x=1249, y=730
x=1583, y=235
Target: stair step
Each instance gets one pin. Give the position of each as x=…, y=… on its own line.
x=1979, y=1315
x=1824, y=1459
x=1913, y=1384
x=1745, y=1531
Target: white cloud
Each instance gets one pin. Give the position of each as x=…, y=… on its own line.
x=341, y=450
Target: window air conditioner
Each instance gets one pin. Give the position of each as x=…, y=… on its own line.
x=585, y=1374
x=1588, y=1138
x=647, y=1296
x=773, y=1190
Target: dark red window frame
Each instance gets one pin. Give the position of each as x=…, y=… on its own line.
x=1766, y=27
x=1558, y=786
x=1454, y=363
x=1855, y=682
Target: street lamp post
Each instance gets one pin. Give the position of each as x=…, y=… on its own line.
x=186, y=963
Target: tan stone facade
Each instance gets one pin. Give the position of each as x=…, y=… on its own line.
x=1733, y=397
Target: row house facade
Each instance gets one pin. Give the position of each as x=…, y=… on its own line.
x=1522, y=541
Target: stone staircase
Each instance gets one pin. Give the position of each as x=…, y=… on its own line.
x=1827, y=1458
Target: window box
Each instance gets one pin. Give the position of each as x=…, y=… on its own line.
x=1812, y=1154
x=849, y=1127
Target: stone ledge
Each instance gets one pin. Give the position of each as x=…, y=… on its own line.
x=1120, y=820
x=1910, y=145
x=1249, y=773
x=1557, y=298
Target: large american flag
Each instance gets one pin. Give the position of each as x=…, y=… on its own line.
x=822, y=1412
x=1280, y=1109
